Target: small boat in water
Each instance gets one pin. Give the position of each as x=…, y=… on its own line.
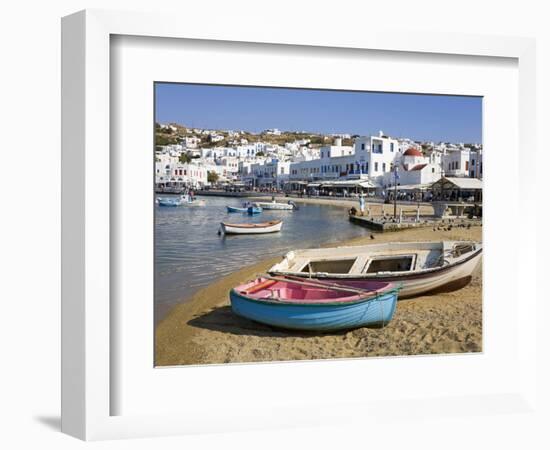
x=251, y=228
x=314, y=305
x=169, y=201
x=276, y=206
x=421, y=267
x=182, y=200
x=253, y=210
x=235, y=209
x=194, y=202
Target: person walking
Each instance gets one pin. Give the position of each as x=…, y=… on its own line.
x=362, y=204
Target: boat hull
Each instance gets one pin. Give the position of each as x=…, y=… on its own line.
x=374, y=312
x=275, y=206
x=169, y=203
x=414, y=283
x=194, y=203
x=234, y=209
x=180, y=202
x=253, y=210
x=234, y=229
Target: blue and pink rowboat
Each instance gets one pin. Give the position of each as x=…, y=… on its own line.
x=315, y=305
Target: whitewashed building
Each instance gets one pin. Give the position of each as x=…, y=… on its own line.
x=414, y=169
x=269, y=174
x=179, y=174
x=371, y=156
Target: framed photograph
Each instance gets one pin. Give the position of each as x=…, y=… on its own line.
x=261, y=233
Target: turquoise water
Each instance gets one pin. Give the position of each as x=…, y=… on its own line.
x=189, y=253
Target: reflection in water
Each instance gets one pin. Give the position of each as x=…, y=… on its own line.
x=189, y=253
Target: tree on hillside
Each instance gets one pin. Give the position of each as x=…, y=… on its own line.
x=212, y=177
x=184, y=158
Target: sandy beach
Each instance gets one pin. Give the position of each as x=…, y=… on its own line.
x=203, y=330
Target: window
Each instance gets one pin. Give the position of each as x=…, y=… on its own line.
x=376, y=166
x=433, y=169
x=363, y=146
x=391, y=147
x=383, y=167
x=466, y=166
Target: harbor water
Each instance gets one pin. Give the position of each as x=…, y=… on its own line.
x=189, y=253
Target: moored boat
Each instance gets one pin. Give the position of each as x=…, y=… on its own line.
x=193, y=202
x=251, y=228
x=314, y=305
x=169, y=201
x=276, y=206
x=421, y=267
x=182, y=200
x=253, y=210
x=235, y=209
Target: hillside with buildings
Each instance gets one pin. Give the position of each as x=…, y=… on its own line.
x=298, y=160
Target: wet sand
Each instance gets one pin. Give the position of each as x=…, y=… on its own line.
x=205, y=331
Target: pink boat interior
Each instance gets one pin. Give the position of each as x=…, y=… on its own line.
x=295, y=292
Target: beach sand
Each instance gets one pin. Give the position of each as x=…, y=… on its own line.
x=205, y=331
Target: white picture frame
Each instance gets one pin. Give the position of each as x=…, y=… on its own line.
x=88, y=325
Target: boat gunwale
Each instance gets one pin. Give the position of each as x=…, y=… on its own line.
x=392, y=289
x=389, y=276
x=252, y=225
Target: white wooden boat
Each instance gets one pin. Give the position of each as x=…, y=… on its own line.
x=421, y=267
x=194, y=203
x=251, y=228
x=275, y=205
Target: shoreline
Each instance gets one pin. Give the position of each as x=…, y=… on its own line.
x=378, y=207
x=203, y=330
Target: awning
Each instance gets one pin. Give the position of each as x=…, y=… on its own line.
x=467, y=184
x=349, y=184
x=410, y=187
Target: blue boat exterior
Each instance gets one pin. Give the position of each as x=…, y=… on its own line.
x=254, y=210
x=234, y=209
x=169, y=202
x=374, y=311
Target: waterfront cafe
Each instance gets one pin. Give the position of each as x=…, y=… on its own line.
x=413, y=192
x=458, y=189
x=342, y=187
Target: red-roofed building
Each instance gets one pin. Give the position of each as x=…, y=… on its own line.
x=418, y=167
x=413, y=152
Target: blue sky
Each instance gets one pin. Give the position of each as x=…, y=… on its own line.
x=419, y=117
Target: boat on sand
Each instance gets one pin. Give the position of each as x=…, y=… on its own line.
x=421, y=267
x=314, y=305
x=251, y=228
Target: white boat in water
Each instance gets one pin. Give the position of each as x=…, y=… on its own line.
x=194, y=202
x=275, y=205
x=182, y=200
x=421, y=267
x=251, y=228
